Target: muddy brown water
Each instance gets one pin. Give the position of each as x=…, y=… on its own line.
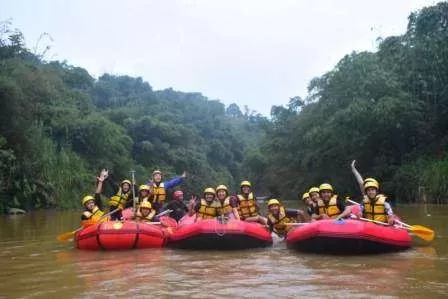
x=34, y=265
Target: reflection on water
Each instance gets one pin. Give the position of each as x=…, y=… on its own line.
x=34, y=265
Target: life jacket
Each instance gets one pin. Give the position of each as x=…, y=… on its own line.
x=225, y=208
x=279, y=222
x=331, y=209
x=208, y=211
x=139, y=217
x=375, y=210
x=95, y=215
x=119, y=199
x=158, y=193
x=247, y=206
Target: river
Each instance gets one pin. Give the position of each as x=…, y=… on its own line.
x=34, y=265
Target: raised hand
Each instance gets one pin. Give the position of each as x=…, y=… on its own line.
x=184, y=174
x=353, y=164
x=103, y=175
x=193, y=199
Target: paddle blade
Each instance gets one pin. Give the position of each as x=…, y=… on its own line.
x=425, y=233
x=66, y=236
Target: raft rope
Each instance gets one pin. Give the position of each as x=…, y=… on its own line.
x=221, y=221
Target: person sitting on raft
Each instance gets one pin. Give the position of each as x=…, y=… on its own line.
x=122, y=199
x=143, y=193
x=329, y=205
x=279, y=217
x=92, y=204
x=158, y=188
x=229, y=205
x=374, y=205
x=314, y=194
x=247, y=204
x=177, y=205
x=207, y=208
x=145, y=212
x=309, y=203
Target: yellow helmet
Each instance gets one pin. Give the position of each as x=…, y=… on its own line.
x=157, y=171
x=313, y=189
x=245, y=183
x=371, y=184
x=273, y=202
x=209, y=190
x=126, y=182
x=87, y=198
x=143, y=187
x=305, y=195
x=146, y=204
x=366, y=180
x=325, y=186
x=222, y=187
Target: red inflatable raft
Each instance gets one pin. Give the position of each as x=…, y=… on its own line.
x=218, y=235
x=347, y=237
x=117, y=235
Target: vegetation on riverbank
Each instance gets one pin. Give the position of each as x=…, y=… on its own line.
x=388, y=110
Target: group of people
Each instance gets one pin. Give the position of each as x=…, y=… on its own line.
x=323, y=203
x=150, y=200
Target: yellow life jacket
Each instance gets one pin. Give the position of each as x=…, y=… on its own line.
x=95, y=215
x=375, y=210
x=139, y=217
x=225, y=208
x=247, y=206
x=208, y=211
x=158, y=192
x=331, y=209
x=119, y=199
x=280, y=221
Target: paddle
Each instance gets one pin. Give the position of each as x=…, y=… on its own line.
x=134, y=202
x=420, y=231
x=425, y=233
x=68, y=235
x=297, y=223
x=163, y=213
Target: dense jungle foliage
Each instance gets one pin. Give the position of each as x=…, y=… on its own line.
x=388, y=110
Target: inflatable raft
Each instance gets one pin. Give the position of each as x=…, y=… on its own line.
x=347, y=237
x=117, y=235
x=215, y=234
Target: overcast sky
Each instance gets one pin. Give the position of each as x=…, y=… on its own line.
x=256, y=53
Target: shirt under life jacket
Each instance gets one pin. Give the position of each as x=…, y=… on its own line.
x=119, y=199
x=279, y=222
x=158, y=192
x=139, y=217
x=208, y=211
x=94, y=215
x=247, y=206
x=375, y=209
x=331, y=209
x=225, y=208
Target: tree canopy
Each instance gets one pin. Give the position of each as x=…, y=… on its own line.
x=387, y=109
x=60, y=126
